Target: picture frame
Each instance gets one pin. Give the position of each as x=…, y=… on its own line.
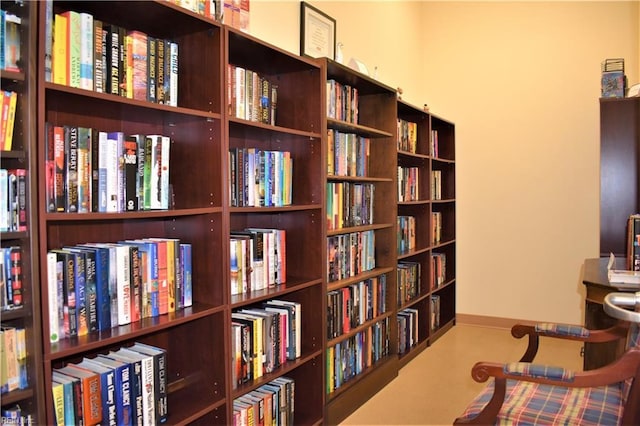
x=317, y=33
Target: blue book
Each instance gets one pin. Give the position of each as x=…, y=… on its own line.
x=123, y=376
x=80, y=289
x=137, y=393
x=107, y=389
x=185, y=265
x=103, y=298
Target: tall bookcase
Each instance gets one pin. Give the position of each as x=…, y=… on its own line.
x=426, y=229
x=296, y=129
x=194, y=337
x=360, y=232
x=23, y=156
x=442, y=308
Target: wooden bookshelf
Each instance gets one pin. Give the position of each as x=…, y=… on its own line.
x=296, y=130
x=194, y=337
x=426, y=143
x=372, y=126
x=23, y=156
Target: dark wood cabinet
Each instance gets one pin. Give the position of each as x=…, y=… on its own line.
x=619, y=171
x=22, y=155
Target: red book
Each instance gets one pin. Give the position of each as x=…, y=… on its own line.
x=15, y=257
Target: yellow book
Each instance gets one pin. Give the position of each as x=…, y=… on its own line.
x=11, y=118
x=171, y=274
x=60, y=54
x=129, y=79
x=58, y=402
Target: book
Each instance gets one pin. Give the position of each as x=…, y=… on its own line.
x=112, y=38
x=187, y=276
x=84, y=157
x=172, y=98
x=48, y=41
x=10, y=119
x=622, y=278
x=139, y=65
x=21, y=220
x=99, y=57
x=160, y=376
x=57, y=390
x=107, y=389
x=74, y=46
x=152, y=68
x=60, y=161
x=633, y=242
x=71, y=172
x=130, y=156
x=136, y=381
x=87, y=43
x=60, y=50
x=114, y=181
x=101, y=268
x=54, y=296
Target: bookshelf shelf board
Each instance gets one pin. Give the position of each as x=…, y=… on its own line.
x=412, y=155
x=127, y=216
x=413, y=301
x=334, y=285
x=94, y=341
x=359, y=129
x=70, y=94
x=292, y=284
x=11, y=76
x=17, y=154
x=357, y=178
x=271, y=210
x=17, y=396
x=410, y=253
x=414, y=203
x=359, y=328
x=14, y=313
x=245, y=126
x=351, y=229
x=14, y=235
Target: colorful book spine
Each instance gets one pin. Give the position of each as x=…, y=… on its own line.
x=87, y=43
x=60, y=50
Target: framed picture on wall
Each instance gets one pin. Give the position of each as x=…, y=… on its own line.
x=317, y=33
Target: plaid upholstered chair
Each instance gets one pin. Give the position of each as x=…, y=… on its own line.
x=524, y=393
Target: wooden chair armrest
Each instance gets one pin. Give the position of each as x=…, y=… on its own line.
x=566, y=332
x=623, y=368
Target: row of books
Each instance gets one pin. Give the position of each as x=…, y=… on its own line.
x=123, y=387
x=350, y=254
x=13, y=359
x=406, y=233
x=348, y=154
x=408, y=281
x=235, y=13
x=353, y=305
x=342, y=101
x=211, y=9
x=633, y=242
x=270, y=404
x=408, y=184
x=10, y=53
x=9, y=104
x=11, y=296
x=434, y=322
x=90, y=54
x=407, y=132
x=251, y=96
x=13, y=200
x=436, y=227
x=264, y=338
x=96, y=286
x=436, y=184
x=260, y=178
x=258, y=259
x=350, y=357
x=349, y=204
x=433, y=147
x=438, y=269
x=407, y=329
x=90, y=170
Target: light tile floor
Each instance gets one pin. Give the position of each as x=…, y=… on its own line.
x=436, y=386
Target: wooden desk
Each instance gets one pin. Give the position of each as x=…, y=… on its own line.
x=594, y=277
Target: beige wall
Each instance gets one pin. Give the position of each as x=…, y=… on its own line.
x=521, y=80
